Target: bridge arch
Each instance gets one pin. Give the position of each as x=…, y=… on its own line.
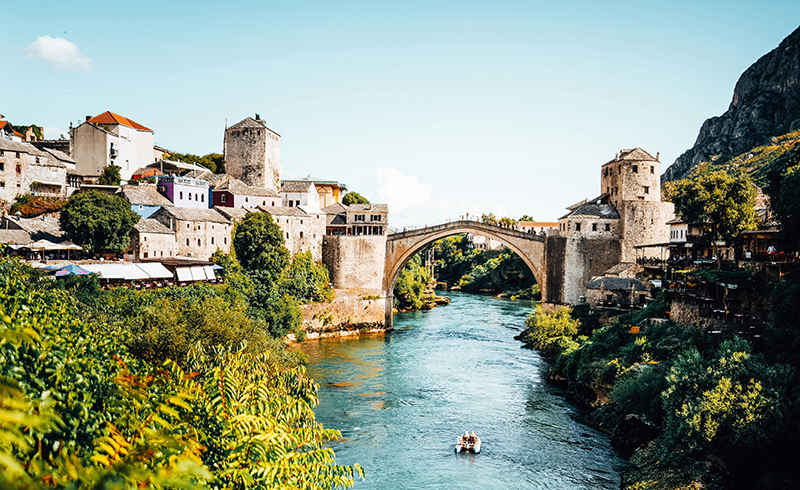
x=400, y=247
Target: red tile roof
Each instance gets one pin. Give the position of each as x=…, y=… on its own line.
x=109, y=117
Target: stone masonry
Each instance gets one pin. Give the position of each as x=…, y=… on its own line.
x=253, y=154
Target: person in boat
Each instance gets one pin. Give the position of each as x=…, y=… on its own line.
x=472, y=438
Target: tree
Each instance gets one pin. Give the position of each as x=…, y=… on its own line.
x=258, y=243
x=722, y=203
x=489, y=219
x=110, y=176
x=508, y=222
x=354, y=198
x=544, y=326
x=527, y=217
x=786, y=205
x=98, y=221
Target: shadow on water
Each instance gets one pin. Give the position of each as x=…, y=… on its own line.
x=400, y=401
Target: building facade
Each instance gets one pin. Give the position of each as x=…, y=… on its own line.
x=198, y=232
x=150, y=239
x=24, y=169
x=233, y=193
x=111, y=139
x=185, y=192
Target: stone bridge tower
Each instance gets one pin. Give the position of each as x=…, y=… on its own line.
x=253, y=153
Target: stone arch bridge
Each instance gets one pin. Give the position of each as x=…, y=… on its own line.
x=400, y=247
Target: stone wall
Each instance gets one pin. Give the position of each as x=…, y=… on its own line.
x=355, y=262
x=200, y=239
x=688, y=314
x=352, y=311
x=584, y=259
x=555, y=253
x=302, y=233
x=644, y=223
x=152, y=245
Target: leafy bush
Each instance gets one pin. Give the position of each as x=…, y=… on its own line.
x=544, y=326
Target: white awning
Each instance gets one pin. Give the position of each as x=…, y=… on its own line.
x=127, y=272
x=209, y=272
x=155, y=270
x=198, y=274
x=184, y=274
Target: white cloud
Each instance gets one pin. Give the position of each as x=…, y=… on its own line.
x=401, y=192
x=60, y=53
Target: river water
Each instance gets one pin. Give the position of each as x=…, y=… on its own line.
x=400, y=400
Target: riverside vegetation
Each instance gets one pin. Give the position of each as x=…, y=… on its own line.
x=182, y=387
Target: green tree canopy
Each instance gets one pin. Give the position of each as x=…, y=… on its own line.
x=110, y=176
x=354, y=198
x=787, y=208
x=213, y=161
x=527, y=217
x=507, y=222
x=98, y=222
x=258, y=243
x=722, y=203
x=489, y=219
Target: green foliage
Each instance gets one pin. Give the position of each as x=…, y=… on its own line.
x=527, y=217
x=110, y=176
x=258, y=243
x=215, y=162
x=543, y=326
x=79, y=412
x=410, y=284
x=489, y=219
x=354, y=198
x=507, y=222
x=306, y=281
x=722, y=203
x=729, y=400
x=98, y=222
x=786, y=204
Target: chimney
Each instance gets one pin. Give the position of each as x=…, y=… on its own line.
x=658, y=156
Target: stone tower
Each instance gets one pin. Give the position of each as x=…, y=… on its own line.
x=253, y=153
x=632, y=183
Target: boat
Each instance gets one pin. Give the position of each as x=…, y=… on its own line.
x=468, y=443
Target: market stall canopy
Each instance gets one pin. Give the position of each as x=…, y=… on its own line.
x=155, y=270
x=197, y=273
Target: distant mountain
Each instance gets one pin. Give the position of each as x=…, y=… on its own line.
x=766, y=103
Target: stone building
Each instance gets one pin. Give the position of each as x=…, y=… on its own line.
x=541, y=227
x=24, y=169
x=253, y=153
x=329, y=192
x=299, y=193
x=608, y=230
x=357, y=219
x=233, y=193
x=150, y=239
x=144, y=198
x=110, y=139
x=302, y=230
x=198, y=232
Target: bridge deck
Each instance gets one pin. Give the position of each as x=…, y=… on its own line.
x=473, y=226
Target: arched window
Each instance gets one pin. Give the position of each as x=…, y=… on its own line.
x=181, y=194
x=187, y=241
x=301, y=234
x=202, y=198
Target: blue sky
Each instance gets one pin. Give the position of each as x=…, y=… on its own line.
x=438, y=108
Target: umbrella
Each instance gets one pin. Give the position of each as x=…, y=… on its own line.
x=70, y=270
x=217, y=267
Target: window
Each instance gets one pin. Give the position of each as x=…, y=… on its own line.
x=202, y=198
x=246, y=199
x=17, y=155
x=273, y=203
x=608, y=227
x=287, y=234
x=301, y=234
x=646, y=190
x=199, y=242
x=652, y=169
x=187, y=242
x=187, y=226
x=37, y=159
x=144, y=238
x=2, y=166
x=635, y=169
x=375, y=217
x=145, y=255
x=212, y=240
x=291, y=204
x=359, y=217
x=162, y=253
x=141, y=207
x=577, y=227
x=19, y=169
x=594, y=226
x=224, y=198
x=181, y=194
x=2, y=184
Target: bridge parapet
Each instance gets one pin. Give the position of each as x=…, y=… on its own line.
x=474, y=226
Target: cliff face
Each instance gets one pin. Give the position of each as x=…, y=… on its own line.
x=766, y=103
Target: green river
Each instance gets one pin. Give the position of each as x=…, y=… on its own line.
x=400, y=401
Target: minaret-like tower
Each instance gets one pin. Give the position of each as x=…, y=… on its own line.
x=253, y=153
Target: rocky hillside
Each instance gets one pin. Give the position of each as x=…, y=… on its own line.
x=766, y=103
